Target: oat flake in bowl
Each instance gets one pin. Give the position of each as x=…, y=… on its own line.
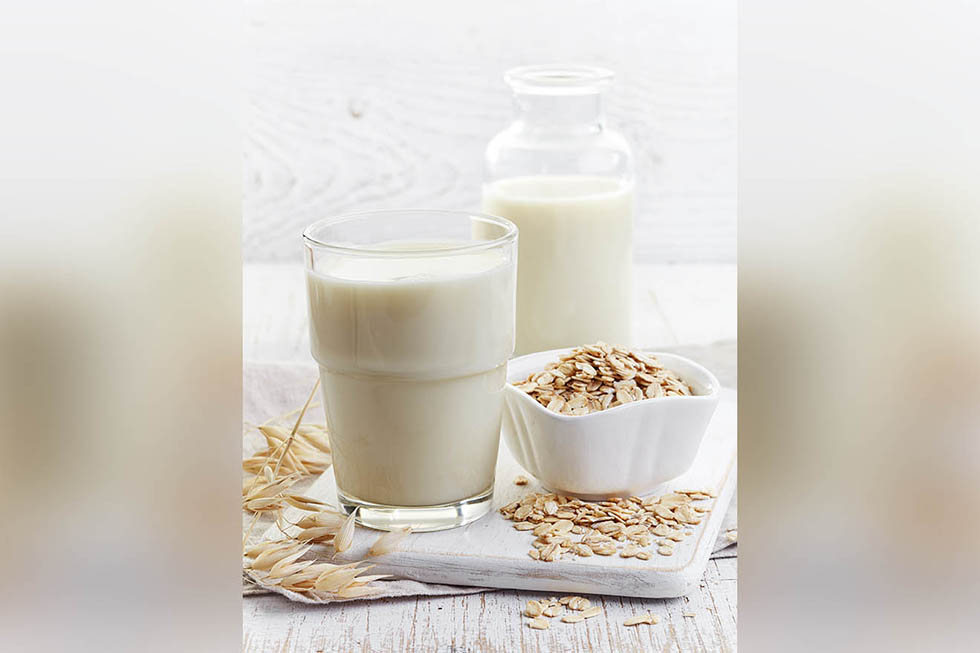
x=595, y=377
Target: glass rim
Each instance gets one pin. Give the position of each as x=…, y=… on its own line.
x=558, y=78
x=509, y=235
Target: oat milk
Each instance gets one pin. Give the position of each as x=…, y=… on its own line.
x=412, y=355
x=574, y=257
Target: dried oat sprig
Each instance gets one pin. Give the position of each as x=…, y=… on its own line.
x=279, y=564
x=308, y=455
x=303, y=449
x=329, y=518
x=357, y=590
x=261, y=495
x=320, y=527
x=299, y=418
x=290, y=456
x=267, y=491
x=345, y=536
x=387, y=542
x=248, y=426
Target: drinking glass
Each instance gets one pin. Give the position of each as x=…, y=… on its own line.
x=411, y=323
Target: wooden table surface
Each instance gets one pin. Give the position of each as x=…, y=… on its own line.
x=676, y=305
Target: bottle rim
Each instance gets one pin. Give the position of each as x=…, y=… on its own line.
x=558, y=79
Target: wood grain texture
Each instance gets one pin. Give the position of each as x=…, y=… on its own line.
x=359, y=105
x=491, y=622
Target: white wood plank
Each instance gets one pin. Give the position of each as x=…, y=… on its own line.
x=390, y=104
x=492, y=622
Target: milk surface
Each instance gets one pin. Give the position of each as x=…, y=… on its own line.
x=574, y=257
x=412, y=355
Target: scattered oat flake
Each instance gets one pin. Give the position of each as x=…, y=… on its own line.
x=605, y=549
x=562, y=526
x=579, y=603
x=521, y=480
x=581, y=550
x=642, y=619
x=689, y=614
x=572, y=618
x=551, y=552
x=591, y=612
x=624, y=525
x=539, y=623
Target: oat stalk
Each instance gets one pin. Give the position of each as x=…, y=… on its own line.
x=290, y=456
x=299, y=418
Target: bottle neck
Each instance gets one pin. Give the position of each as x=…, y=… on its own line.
x=582, y=112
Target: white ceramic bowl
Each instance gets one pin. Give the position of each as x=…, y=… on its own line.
x=621, y=451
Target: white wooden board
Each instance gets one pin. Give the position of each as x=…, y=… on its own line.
x=491, y=553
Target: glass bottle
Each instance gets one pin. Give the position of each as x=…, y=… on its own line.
x=566, y=180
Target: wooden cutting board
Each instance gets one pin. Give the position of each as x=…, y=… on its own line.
x=491, y=553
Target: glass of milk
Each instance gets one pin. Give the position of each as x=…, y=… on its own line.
x=566, y=180
x=412, y=323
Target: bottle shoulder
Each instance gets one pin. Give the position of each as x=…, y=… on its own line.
x=516, y=137
x=515, y=151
